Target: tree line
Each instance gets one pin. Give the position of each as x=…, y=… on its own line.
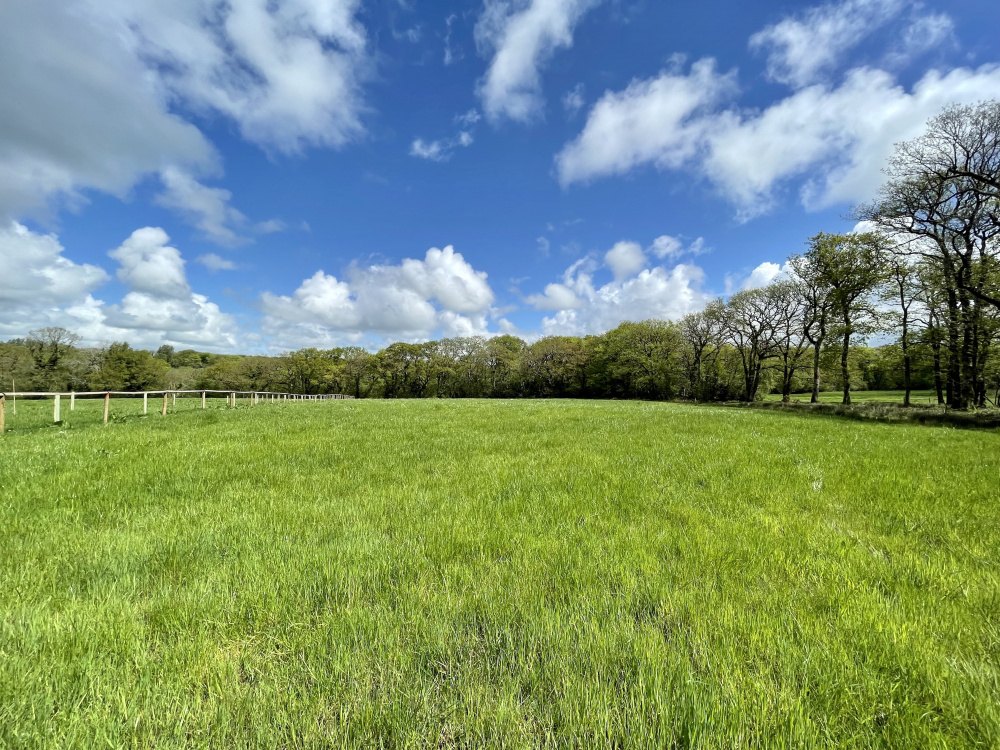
x=923, y=282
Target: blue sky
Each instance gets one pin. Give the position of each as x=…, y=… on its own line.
x=262, y=176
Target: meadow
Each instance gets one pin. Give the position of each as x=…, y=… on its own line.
x=529, y=574
x=917, y=398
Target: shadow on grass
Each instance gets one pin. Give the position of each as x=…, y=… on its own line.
x=984, y=419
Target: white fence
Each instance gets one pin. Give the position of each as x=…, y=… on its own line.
x=9, y=400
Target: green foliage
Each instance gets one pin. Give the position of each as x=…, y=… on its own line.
x=122, y=368
x=476, y=574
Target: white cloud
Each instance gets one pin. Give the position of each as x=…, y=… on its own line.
x=522, y=35
x=555, y=297
x=99, y=84
x=160, y=306
x=88, y=114
x=150, y=266
x=288, y=74
x=412, y=35
x=440, y=150
x=468, y=119
x=653, y=121
x=638, y=291
x=270, y=226
x=625, y=259
x=672, y=249
x=204, y=207
x=659, y=292
x=835, y=140
x=42, y=287
x=573, y=100
x=925, y=34
x=455, y=325
x=213, y=262
x=406, y=301
x=802, y=49
x=839, y=139
x=37, y=279
x=763, y=275
x=147, y=321
x=450, y=55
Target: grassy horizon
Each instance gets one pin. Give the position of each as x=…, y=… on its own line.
x=917, y=397
x=498, y=574
x=30, y=414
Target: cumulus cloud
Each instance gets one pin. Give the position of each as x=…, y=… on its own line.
x=660, y=292
x=638, y=290
x=672, y=249
x=37, y=279
x=835, y=140
x=625, y=259
x=41, y=287
x=160, y=306
x=522, y=36
x=763, y=275
x=656, y=121
x=555, y=297
x=147, y=321
x=287, y=74
x=148, y=265
x=802, y=48
x=406, y=301
x=76, y=127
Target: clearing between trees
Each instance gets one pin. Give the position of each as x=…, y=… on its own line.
x=499, y=574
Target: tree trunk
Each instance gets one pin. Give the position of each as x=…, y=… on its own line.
x=907, y=369
x=844, y=369
x=938, y=382
x=815, y=391
x=968, y=364
x=954, y=361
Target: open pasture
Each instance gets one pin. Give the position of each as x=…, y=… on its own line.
x=917, y=398
x=443, y=574
x=28, y=414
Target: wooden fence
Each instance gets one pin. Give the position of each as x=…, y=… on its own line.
x=9, y=400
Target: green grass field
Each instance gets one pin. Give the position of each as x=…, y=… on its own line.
x=917, y=398
x=444, y=574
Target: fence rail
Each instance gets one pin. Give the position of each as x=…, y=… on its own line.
x=232, y=397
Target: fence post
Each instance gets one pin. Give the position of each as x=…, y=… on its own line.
x=145, y=403
x=72, y=400
x=107, y=406
x=175, y=399
x=203, y=399
x=234, y=400
x=3, y=413
x=55, y=411
x=164, y=412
